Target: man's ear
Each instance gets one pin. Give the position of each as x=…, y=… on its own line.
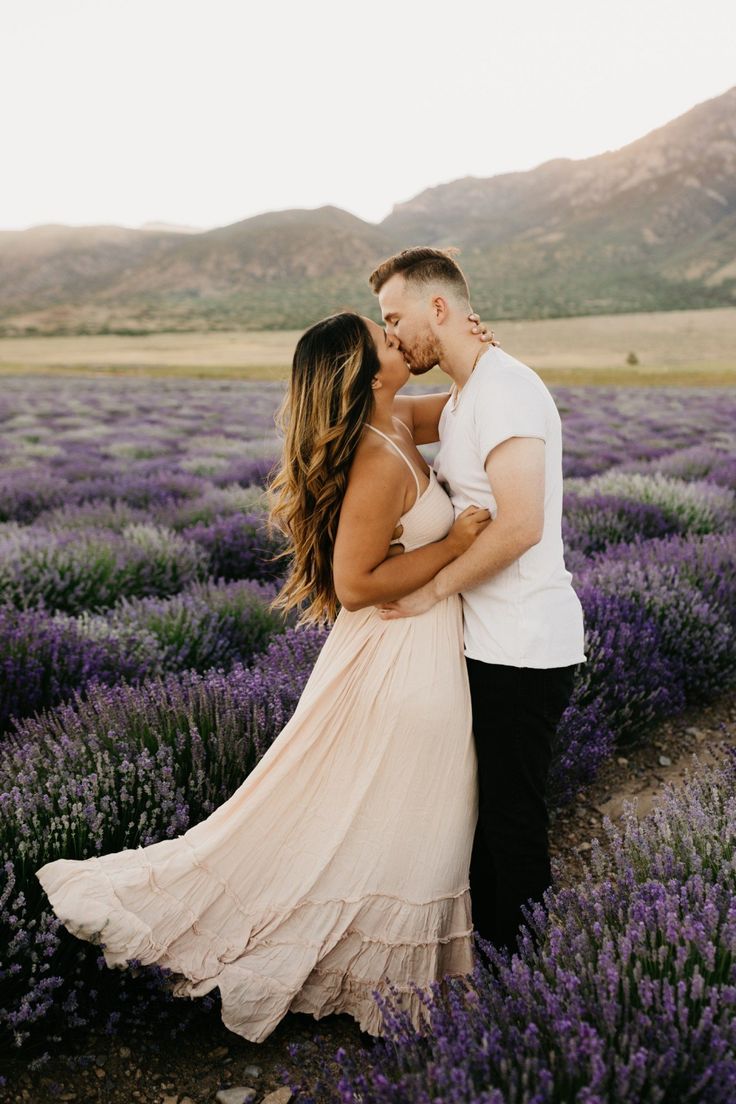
x=440, y=310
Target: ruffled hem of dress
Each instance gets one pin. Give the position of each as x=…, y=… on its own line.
x=370, y=943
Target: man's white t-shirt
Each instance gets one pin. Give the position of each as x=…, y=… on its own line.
x=528, y=614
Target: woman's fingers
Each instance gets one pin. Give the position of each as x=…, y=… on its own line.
x=481, y=330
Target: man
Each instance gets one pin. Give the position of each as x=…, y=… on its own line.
x=500, y=448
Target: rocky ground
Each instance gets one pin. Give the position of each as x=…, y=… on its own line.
x=212, y=1065
x=637, y=775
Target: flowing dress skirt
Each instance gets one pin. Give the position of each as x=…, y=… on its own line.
x=338, y=866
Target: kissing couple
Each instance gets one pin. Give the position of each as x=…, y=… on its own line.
x=402, y=808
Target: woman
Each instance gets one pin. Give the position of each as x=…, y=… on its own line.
x=340, y=865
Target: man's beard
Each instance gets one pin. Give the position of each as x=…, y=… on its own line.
x=425, y=354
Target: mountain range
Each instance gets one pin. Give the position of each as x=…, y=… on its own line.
x=651, y=226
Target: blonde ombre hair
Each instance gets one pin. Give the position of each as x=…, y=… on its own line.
x=328, y=403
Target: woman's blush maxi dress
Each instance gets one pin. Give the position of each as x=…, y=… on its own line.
x=341, y=862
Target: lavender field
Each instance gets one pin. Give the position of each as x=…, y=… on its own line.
x=143, y=674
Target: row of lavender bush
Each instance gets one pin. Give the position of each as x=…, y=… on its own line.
x=622, y=506
x=623, y=989
x=45, y=658
x=77, y=567
x=73, y=563
x=177, y=500
x=660, y=618
x=90, y=569
x=81, y=558
x=75, y=430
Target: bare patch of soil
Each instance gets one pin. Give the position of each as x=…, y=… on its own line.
x=637, y=774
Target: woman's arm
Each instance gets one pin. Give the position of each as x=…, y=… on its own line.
x=364, y=573
x=421, y=413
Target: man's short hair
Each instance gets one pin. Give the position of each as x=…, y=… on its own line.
x=421, y=266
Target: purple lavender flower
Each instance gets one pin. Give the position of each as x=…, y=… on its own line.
x=239, y=547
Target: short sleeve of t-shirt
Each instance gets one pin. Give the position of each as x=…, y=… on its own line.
x=506, y=405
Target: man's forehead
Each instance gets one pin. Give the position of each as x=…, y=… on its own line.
x=392, y=295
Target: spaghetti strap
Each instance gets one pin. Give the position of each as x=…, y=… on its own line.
x=401, y=454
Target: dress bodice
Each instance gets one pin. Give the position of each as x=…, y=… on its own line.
x=432, y=515
x=429, y=519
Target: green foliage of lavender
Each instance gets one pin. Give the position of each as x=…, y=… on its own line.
x=622, y=989
x=212, y=624
x=91, y=569
x=693, y=507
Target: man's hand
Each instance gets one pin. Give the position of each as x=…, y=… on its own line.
x=413, y=604
x=516, y=478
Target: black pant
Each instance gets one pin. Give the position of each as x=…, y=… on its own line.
x=515, y=713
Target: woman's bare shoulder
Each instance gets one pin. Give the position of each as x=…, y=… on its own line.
x=376, y=466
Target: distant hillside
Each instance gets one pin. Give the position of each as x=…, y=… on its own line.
x=651, y=226
x=273, y=271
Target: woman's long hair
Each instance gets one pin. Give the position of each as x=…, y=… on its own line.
x=329, y=401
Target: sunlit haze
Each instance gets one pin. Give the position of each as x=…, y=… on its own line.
x=204, y=112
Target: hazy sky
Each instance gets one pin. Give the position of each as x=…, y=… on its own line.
x=204, y=112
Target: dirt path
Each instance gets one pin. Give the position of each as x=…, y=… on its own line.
x=136, y=1067
x=637, y=774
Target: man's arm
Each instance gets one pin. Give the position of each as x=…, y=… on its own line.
x=515, y=470
x=364, y=572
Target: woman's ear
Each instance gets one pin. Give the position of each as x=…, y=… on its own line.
x=376, y=383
